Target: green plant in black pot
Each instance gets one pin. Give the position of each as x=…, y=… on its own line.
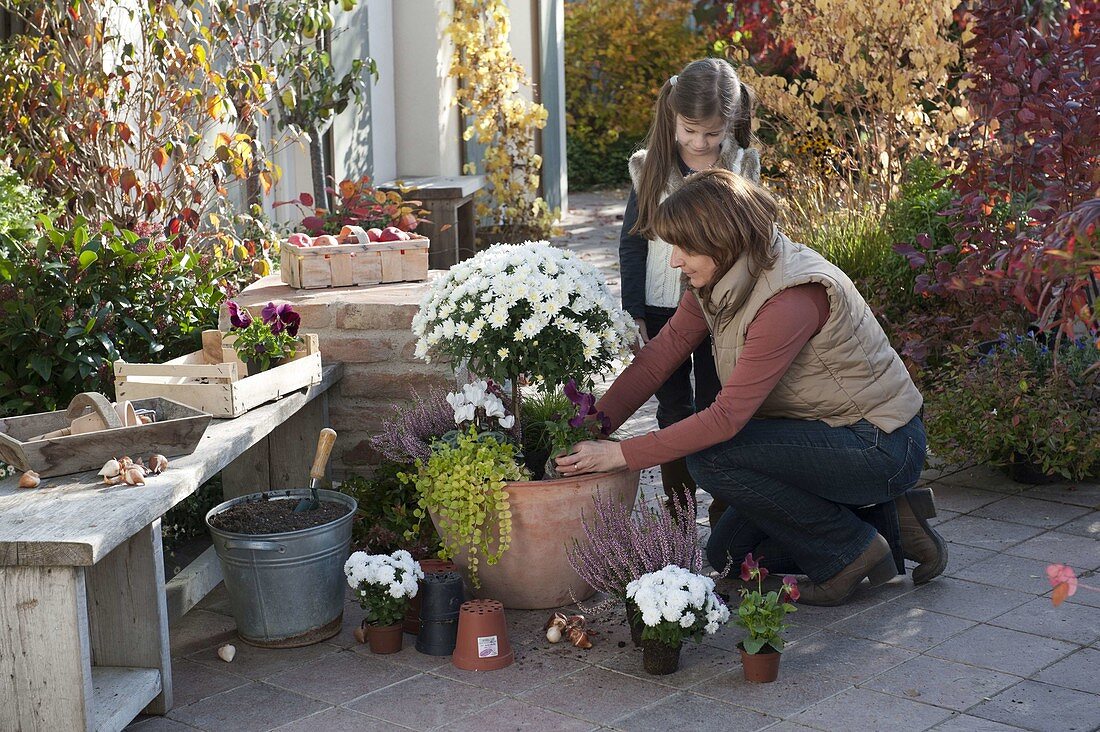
x=1024, y=403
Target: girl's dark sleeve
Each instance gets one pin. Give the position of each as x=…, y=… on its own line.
x=633, y=250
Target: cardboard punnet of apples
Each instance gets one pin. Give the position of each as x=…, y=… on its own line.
x=353, y=235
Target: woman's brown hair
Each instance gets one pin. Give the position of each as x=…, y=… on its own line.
x=723, y=216
x=705, y=89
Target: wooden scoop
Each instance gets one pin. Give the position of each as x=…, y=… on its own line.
x=325, y=441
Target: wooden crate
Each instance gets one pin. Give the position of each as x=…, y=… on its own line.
x=216, y=381
x=176, y=431
x=342, y=265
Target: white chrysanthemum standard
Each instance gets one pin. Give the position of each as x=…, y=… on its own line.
x=527, y=309
x=383, y=583
x=676, y=603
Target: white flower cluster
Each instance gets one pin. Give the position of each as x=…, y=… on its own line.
x=396, y=573
x=677, y=595
x=474, y=396
x=510, y=296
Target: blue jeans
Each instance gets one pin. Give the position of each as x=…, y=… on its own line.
x=792, y=486
x=676, y=399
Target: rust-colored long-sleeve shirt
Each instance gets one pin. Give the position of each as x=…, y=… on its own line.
x=774, y=338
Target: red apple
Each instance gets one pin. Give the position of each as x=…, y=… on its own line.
x=374, y=234
x=299, y=240
x=392, y=233
x=325, y=240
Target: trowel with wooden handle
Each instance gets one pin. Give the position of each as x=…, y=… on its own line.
x=324, y=448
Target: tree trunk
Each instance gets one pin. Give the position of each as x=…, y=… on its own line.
x=317, y=167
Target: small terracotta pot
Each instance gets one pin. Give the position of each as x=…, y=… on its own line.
x=660, y=658
x=760, y=668
x=386, y=639
x=412, y=611
x=482, y=637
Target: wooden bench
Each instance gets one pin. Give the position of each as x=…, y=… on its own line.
x=83, y=609
x=450, y=204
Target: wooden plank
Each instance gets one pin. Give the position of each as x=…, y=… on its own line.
x=222, y=371
x=437, y=186
x=251, y=471
x=367, y=267
x=340, y=268
x=315, y=272
x=78, y=520
x=392, y=270
x=277, y=382
x=187, y=588
x=292, y=446
x=45, y=658
x=127, y=614
x=214, y=399
x=119, y=695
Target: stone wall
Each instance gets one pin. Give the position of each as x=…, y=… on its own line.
x=369, y=329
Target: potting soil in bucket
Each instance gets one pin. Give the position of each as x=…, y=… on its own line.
x=286, y=588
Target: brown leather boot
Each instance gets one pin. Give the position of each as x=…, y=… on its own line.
x=876, y=563
x=920, y=542
x=678, y=483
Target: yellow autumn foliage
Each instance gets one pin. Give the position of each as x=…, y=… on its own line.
x=499, y=117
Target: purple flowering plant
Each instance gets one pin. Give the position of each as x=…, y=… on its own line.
x=586, y=423
x=264, y=341
x=408, y=433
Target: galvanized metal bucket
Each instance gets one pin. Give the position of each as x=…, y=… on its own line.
x=286, y=589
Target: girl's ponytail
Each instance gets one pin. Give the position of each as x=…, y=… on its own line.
x=742, y=121
x=661, y=154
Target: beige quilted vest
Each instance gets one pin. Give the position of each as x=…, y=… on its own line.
x=846, y=372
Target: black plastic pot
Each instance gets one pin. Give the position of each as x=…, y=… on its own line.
x=443, y=595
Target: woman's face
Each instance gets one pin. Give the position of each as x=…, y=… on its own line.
x=699, y=268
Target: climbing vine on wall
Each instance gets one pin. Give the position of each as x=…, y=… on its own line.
x=499, y=117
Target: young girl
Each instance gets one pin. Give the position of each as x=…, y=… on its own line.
x=702, y=120
x=817, y=414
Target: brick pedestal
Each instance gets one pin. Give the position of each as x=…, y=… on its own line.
x=369, y=329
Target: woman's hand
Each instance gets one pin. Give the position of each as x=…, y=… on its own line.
x=602, y=456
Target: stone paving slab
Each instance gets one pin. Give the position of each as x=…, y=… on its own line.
x=980, y=649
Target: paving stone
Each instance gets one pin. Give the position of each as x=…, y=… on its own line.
x=788, y=727
x=792, y=692
x=985, y=533
x=217, y=601
x=200, y=629
x=967, y=600
x=966, y=723
x=256, y=707
x=986, y=477
x=158, y=724
x=337, y=719
x=1069, y=622
x=1079, y=552
x=1002, y=649
x=424, y=701
x=597, y=695
x=1080, y=671
x=1008, y=570
x=865, y=598
x=728, y=637
x=961, y=556
x=962, y=499
x=939, y=682
x=193, y=681
x=1030, y=511
x=1087, y=525
x=1079, y=494
x=913, y=628
x=1042, y=708
x=943, y=515
x=531, y=670
x=862, y=709
x=259, y=663
x=687, y=711
x=341, y=677
x=511, y=715
x=407, y=656
x=697, y=663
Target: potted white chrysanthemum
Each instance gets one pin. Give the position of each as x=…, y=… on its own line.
x=675, y=603
x=383, y=584
x=538, y=314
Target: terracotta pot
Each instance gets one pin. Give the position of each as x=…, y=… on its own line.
x=760, y=668
x=660, y=658
x=534, y=573
x=412, y=610
x=384, y=639
x=482, y=637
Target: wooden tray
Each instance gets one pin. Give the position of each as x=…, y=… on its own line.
x=176, y=431
x=343, y=265
x=215, y=381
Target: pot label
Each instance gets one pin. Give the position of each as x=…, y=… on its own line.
x=487, y=646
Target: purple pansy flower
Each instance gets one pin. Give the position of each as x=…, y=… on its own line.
x=280, y=317
x=238, y=316
x=586, y=407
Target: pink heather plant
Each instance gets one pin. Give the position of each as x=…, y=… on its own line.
x=620, y=546
x=408, y=434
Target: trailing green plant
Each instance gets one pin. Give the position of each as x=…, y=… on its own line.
x=464, y=486
x=1017, y=404
x=385, y=520
x=78, y=298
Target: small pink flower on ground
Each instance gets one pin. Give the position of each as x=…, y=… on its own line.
x=751, y=569
x=1064, y=581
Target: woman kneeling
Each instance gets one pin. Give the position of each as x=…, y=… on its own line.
x=817, y=415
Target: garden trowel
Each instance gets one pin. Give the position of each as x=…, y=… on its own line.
x=324, y=448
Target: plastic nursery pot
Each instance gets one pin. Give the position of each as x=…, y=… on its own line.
x=412, y=611
x=634, y=620
x=482, y=637
x=439, y=610
x=660, y=658
x=760, y=668
x=386, y=639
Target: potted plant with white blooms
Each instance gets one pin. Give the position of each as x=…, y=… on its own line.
x=383, y=584
x=538, y=314
x=675, y=603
